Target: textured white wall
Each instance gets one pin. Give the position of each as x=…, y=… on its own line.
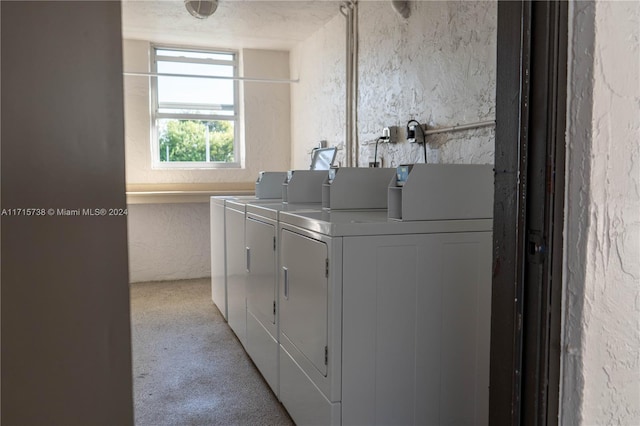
x=267, y=112
x=168, y=241
x=438, y=67
x=601, y=341
x=318, y=101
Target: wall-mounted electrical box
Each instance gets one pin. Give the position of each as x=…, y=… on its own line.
x=441, y=192
x=269, y=184
x=303, y=186
x=356, y=188
x=390, y=134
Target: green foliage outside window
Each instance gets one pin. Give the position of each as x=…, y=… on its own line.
x=185, y=140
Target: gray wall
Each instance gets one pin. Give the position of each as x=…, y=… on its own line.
x=66, y=352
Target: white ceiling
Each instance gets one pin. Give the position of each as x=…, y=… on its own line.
x=259, y=24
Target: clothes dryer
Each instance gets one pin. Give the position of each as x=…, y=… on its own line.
x=261, y=245
x=268, y=188
x=387, y=321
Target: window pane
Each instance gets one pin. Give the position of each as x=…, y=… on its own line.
x=226, y=110
x=187, y=140
x=198, y=55
x=194, y=117
x=196, y=69
x=195, y=90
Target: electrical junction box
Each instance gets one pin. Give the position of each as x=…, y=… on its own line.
x=390, y=134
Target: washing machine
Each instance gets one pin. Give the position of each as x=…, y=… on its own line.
x=261, y=245
x=262, y=251
x=298, y=187
x=384, y=318
x=217, y=221
x=268, y=188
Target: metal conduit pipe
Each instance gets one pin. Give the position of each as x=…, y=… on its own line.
x=348, y=10
x=354, y=88
x=488, y=123
x=345, y=9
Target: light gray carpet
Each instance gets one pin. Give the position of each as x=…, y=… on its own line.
x=188, y=367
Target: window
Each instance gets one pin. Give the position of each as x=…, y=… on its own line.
x=194, y=119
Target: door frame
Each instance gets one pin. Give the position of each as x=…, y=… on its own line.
x=531, y=94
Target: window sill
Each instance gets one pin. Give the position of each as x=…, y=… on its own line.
x=194, y=166
x=184, y=193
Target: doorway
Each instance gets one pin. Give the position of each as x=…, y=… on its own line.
x=528, y=216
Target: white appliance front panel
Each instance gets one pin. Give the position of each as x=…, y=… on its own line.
x=262, y=330
x=236, y=273
x=304, y=296
x=416, y=327
x=261, y=279
x=263, y=349
x=218, y=263
x=306, y=404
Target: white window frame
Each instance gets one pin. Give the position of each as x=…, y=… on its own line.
x=155, y=115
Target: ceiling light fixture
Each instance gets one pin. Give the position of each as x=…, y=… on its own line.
x=201, y=9
x=402, y=7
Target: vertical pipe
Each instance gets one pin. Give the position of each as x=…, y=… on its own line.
x=347, y=12
x=354, y=81
x=349, y=142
